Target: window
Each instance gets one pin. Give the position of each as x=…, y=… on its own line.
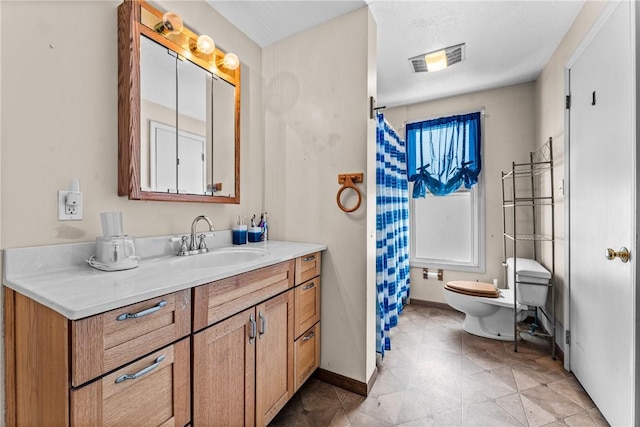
x=447, y=217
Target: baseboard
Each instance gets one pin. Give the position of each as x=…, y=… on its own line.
x=347, y=383
x=425, y=303
x=559, y=353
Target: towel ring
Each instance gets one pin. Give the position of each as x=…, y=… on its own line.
x=348, y=181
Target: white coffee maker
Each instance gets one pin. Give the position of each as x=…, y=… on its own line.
x=114, y=250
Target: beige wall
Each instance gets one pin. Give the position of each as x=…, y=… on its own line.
x=59, y=121
x=316, y=127
x=509, y=135
x=550, y=122
x=62, y=122
x=2, y=399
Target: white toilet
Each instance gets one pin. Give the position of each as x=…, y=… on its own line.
x=489, y=317
x=489, y=311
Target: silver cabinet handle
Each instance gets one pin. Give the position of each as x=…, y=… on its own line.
x=141, y=372
x=309, y=286
x=309, y=258
x=252, y=333
x=263, y=324
x=142, y=313
x=308, y=337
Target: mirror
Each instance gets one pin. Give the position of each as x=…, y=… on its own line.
x=178, y=121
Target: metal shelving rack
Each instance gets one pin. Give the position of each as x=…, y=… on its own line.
x=528, y=178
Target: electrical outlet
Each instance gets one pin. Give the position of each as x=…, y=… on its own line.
x=69, y=212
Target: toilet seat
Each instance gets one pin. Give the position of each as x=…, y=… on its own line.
x=476, y=289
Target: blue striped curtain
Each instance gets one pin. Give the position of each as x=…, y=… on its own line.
x=392, y=231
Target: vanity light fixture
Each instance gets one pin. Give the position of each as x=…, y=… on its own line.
x=230, y=61
x=205, y=44
x=171, y=24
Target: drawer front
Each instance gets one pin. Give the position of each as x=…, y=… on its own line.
x=307, y=267
x=106, y=341
x=153, y=391
x=306, y=355
x=307, y=305
x=218, y=300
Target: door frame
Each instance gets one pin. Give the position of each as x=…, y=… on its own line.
x=635, y=131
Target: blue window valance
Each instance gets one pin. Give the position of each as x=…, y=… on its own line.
x=443, y=154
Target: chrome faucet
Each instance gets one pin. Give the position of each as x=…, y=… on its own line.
x=194, y=246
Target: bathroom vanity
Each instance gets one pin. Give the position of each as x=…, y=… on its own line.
x=173, y=342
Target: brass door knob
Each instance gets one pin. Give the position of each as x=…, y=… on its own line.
x=623, y=254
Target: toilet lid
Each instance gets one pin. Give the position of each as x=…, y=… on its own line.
x=468, y=287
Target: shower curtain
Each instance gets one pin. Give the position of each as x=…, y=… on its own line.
x=392, y=230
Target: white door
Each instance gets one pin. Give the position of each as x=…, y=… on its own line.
x=176, y=168
x=602, y=215
x=191, y=172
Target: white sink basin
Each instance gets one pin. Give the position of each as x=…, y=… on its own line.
x=227, y=257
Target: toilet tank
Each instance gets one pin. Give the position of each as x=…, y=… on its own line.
x=537, y=278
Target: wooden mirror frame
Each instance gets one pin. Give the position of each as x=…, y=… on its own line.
x=130, y=28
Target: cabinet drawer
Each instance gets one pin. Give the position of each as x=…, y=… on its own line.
x=306, y=355
x=218, y=300
x=106, y=341
x=153, y=391
x=307, y=267
x=307, y=305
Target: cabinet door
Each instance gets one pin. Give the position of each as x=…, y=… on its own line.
x=153, y=391
x=274, y=356
x=224, y=372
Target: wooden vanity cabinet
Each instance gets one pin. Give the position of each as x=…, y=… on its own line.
x=307, y=318
x=63, y=372
x=251, y=343
x=249, y=355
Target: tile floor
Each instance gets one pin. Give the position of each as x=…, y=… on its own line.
x=439, y=375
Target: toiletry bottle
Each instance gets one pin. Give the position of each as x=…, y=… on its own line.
x=239, y=233
x=255, y=233
x=264, y=227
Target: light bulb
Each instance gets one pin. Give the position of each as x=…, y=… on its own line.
x=231, y=61
x=171, y=23
x=205, y=44
x=436, y=61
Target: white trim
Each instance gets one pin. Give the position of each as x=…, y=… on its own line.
x=593, y=31
x=566, y=289
x=153, y=125
x=635, y=45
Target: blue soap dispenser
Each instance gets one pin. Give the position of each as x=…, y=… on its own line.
x=239, y=233
x=255, y=233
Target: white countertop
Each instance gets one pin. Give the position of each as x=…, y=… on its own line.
x=59, y=278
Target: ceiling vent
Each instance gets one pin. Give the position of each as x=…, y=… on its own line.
x=453, y=54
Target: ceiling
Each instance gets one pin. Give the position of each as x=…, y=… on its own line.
x=507, y=42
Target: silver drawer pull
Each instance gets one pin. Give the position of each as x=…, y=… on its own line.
x=309, y=258
x=140, y=373
x=252, y=332
x=309, y=286
x=263, y=324
x=308, y=337
x=142, y=313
